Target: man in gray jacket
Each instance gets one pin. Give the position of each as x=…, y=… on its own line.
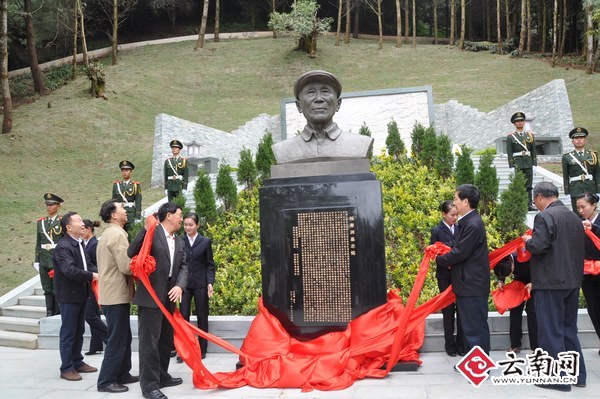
x=557, y=249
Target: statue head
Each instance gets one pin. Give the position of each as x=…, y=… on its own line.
x=318, y=97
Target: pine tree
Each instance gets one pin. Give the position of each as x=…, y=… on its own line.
x=465, y=171
x=417, y=136
x=247, y=171
x=394, y=143
x=206, y=207
x=444, y=159
x=364, y=130
x=226, y=188
x=487, y=181
x=264, y=156
x=181, y=201
x=429, y=150
x=511, y=212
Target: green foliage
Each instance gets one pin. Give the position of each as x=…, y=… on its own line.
x=487, y=181
x=490, y=151
x=394, y=143
x=236, y=246
x=512, y=209
x=465, y=171
x=365, y=131
x=429, y=149
x=417, y=136
x=57, y=76
x=135, y=229
x=264, y=156
x=247, y=172
x=206, y=207
x=226, y=189
x=181, y=201
x=444, y=159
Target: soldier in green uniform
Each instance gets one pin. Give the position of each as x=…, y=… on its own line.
x=129, y=193
x=176, y=172
x=581, y=172
x=520, y=148
x=48, y=233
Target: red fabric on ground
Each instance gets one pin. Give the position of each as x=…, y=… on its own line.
x=511, y=296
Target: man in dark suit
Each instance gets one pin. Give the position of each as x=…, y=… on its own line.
x=470, y=269
x=557, y=253
x=168, y=281
x=72, y=286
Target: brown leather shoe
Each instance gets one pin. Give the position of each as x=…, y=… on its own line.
x=86, y=368
x=70, y=375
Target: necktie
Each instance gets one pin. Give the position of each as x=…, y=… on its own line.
x=452, y=229
x=581, y=154
x=83, y=256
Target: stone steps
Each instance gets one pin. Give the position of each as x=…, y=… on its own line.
x=20, y=324
x=26, y=311
x=33, y=300
x=18, y=339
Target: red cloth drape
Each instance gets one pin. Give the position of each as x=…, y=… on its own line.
x=511, y=296
x=592, y=266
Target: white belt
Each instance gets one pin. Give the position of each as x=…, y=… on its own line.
x=178, y=177
x=522, y=154
x=128, y=204
x=581, y=178
x=48, y=247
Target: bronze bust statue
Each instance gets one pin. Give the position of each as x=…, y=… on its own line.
x=318, y=99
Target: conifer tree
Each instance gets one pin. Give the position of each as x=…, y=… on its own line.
x=264, y=156
x=417, y=136
x=429, y=150
x=206, y=207
x=465, y=171
x=487, y=181
x=511, y=212
x=394, y=143
x=226, y=188
x=247, y=171
x=364, y=130
x=444, y=159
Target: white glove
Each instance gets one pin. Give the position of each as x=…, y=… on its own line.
x=184, y=191
x=36, y=266
x=137, y=220
x=166, y=192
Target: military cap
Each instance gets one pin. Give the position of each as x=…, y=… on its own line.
x=50, y=198
x=317, y=76
x=175, y=143
x=126, y=165
x=518, y=116
x=578, y=132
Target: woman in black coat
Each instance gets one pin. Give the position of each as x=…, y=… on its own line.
x=586, y=205
x=201, y=275
x=445, y=232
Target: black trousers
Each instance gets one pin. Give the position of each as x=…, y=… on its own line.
x=71, y=335
x=172, y=194
x=516, y=322
x=200, y=296
x=98, y=329
x=155, y=342
x=528, y=172
x=591, y=292
x=116, y=364
x=473, y=312
x=452, y=343
x=557, y=324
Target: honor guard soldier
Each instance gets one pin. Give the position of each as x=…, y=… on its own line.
x=129, y=193
x=48, y=233
x=581, y=172
x=176, y=172
x=520, y=148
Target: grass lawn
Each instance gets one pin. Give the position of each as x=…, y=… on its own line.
x=73, y=147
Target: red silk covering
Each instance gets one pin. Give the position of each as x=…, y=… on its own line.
x=94, y=287
x=511, y=296
x=51, y=273
x=592, y=266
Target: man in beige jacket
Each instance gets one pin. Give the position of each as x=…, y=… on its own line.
x=115, y=295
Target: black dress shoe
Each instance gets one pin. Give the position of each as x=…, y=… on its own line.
x=451, y=353
x=178, y=359
x=114, y=388
x=130, y=379
x=171, y=383
x=92, y=353
x=156, y=394
x=173, y=353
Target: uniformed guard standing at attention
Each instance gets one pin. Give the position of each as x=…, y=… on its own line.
x=129, y=193
x=176, y=172
x=48, y=233
x=581, y=173
x=520, y=148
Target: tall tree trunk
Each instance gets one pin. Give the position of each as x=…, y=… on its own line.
x=529, y=33
x=470, y=20
x=356, y=20
x=555, y=33
x=499, y=45
x=75, y=30
x=348, y=25
x=202, y=29
x=115, y=32
x=452, y=21
x=399, y=23
x=218, y=20
x=380, y=24
x=563, y=33
x=523, y=33
x=414, y=23
x=36, y=72
x=86, y=61
x=507, y=16
x=6, y=99
x=461, y=42
x=589, y=8
x=435, y=23
x=544, y=25
x=339, y=23
x=406, y=23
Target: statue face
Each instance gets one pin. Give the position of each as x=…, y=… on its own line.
x=318, y=102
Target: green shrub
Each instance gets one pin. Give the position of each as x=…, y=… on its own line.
x=365, y=131
x=512, y=209
x=429, y=148
x=206, y=207
x=416, y=137
x=393, y=142
x=487, y=182
x=444, y=159
x=226, y=189
x=465, y=171
x=264, y=156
